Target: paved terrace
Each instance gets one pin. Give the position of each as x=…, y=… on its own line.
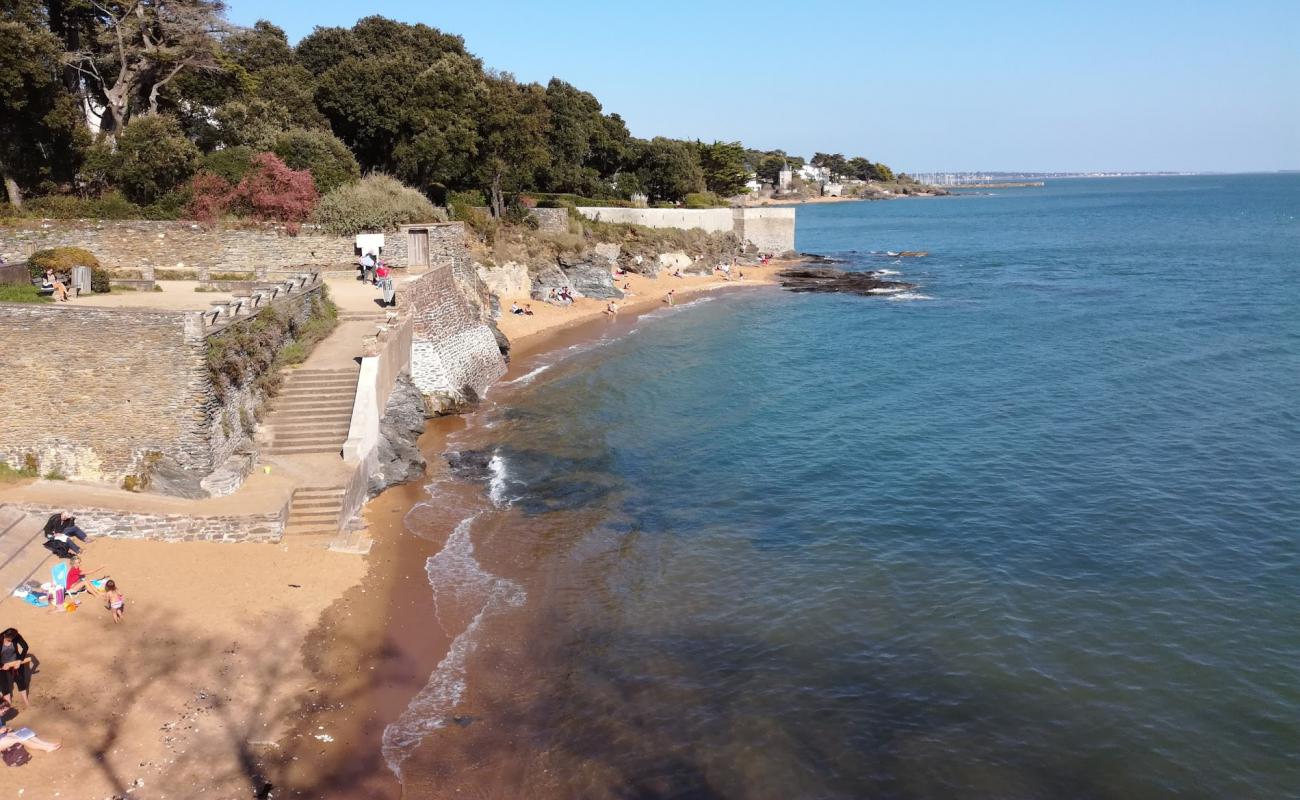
x=310, y=479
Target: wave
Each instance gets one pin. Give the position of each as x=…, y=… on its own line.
x=669, y=310
x=910, y=296
x=524, y=380
x=498, y=482
x=886, y=272
x=453, y=569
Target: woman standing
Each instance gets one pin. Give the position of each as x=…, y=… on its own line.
x=15, y=666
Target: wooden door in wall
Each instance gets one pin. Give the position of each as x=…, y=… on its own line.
x=419, y=248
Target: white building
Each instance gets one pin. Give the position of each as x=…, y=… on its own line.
x=785, y=178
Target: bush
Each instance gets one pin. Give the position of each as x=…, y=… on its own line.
x=111, y=205
x=375, y=203
x=153, y=158
x=231, y=163
x=63, y=259
x=270, y=192
x=329, y=161
x=703, y=200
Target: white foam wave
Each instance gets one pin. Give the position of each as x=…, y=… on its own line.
x=887, y=272
x=498, y=482
x=524, y=380
x=910, y=296
x=663, y=312
x=452, y=570
x=887, y=290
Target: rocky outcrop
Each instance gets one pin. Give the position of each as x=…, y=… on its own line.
x=398, y=458
x=827, y=279
x=584, y=278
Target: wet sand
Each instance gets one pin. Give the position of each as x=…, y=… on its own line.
x=377, y=648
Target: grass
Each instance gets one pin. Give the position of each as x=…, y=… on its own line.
x=18, y=293
x=10, y=475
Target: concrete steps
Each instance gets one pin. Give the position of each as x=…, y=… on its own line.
x=22, y=555
x=312, y=412
x=314, y=521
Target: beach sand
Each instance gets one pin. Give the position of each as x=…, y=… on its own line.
x=253, y=670
x=196, y=692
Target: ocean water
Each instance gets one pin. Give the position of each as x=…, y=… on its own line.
x=1030, y=530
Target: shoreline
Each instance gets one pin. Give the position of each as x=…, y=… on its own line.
x=378, y=644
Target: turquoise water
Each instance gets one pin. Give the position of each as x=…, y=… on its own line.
x=1031, y=531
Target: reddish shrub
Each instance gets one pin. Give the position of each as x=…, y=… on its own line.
x=210, y=197
x=273, y=192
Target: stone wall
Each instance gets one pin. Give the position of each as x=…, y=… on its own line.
x=147, y=245
x=265, y=527
x=551, y=220
x=771, y=230
x=454, y=354
x=101, y=394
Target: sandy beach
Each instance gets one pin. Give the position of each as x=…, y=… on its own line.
x=263, y=670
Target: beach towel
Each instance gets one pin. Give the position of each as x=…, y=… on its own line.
x=59, y=575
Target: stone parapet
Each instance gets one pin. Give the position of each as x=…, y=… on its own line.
x=116, y=524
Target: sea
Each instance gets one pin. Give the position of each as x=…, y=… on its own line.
x=1030, y=529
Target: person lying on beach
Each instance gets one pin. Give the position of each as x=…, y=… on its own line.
x=515, y=308
x=114, y=601
x=677, y=273
x=27, y=738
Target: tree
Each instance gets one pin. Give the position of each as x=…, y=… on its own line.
x=141, y=46
x=834, y=162
x=152, y=158
x=40, y=134
x=330, y=162
x=669, y=169
x=272, y=192
x=512, y=139
x=723, y=167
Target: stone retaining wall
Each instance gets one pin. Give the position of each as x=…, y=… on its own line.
x=454, y=354
x=101, y=394
x=771, y=230
x=148, y=245
x=266, y=527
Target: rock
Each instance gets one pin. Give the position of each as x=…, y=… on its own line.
x=826, y=279
x=471, y=465
x=592, y=280
x=398, y=458
x=547, y=278
x=609, y=251
x=677, y=260
x=170, y=478
x=507, y=280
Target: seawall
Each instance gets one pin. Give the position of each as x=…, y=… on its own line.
x=771, y=230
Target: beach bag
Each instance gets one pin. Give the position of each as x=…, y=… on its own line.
x=15, y=755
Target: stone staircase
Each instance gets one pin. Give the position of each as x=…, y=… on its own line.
x=21, y=550
x=377, y=316
x=314, y=519
x=312, y=412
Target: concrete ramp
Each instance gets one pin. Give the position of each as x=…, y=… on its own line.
x=21, y=551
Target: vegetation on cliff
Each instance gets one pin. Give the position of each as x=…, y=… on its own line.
x=134, y=109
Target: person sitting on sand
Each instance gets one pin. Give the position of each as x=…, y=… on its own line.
x=60, y=529
x=26, y=738
x=15, y=667
x=677, y=273
x=611, y=308
x=566, y=295
x=668, y=298
x=114, y=601
x=515, y=308
x=627, y=289
x=528, y=309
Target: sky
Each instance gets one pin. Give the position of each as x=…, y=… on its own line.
x=922, y=86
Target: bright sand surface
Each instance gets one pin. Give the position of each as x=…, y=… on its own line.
x=529, y=332
x=196, y=691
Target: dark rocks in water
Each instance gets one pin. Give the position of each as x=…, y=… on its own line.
x=470, y=465
x=825, y=279
x=814, y=258
x=399, y=459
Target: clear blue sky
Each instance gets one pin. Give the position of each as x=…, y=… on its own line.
x=1042, y=85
